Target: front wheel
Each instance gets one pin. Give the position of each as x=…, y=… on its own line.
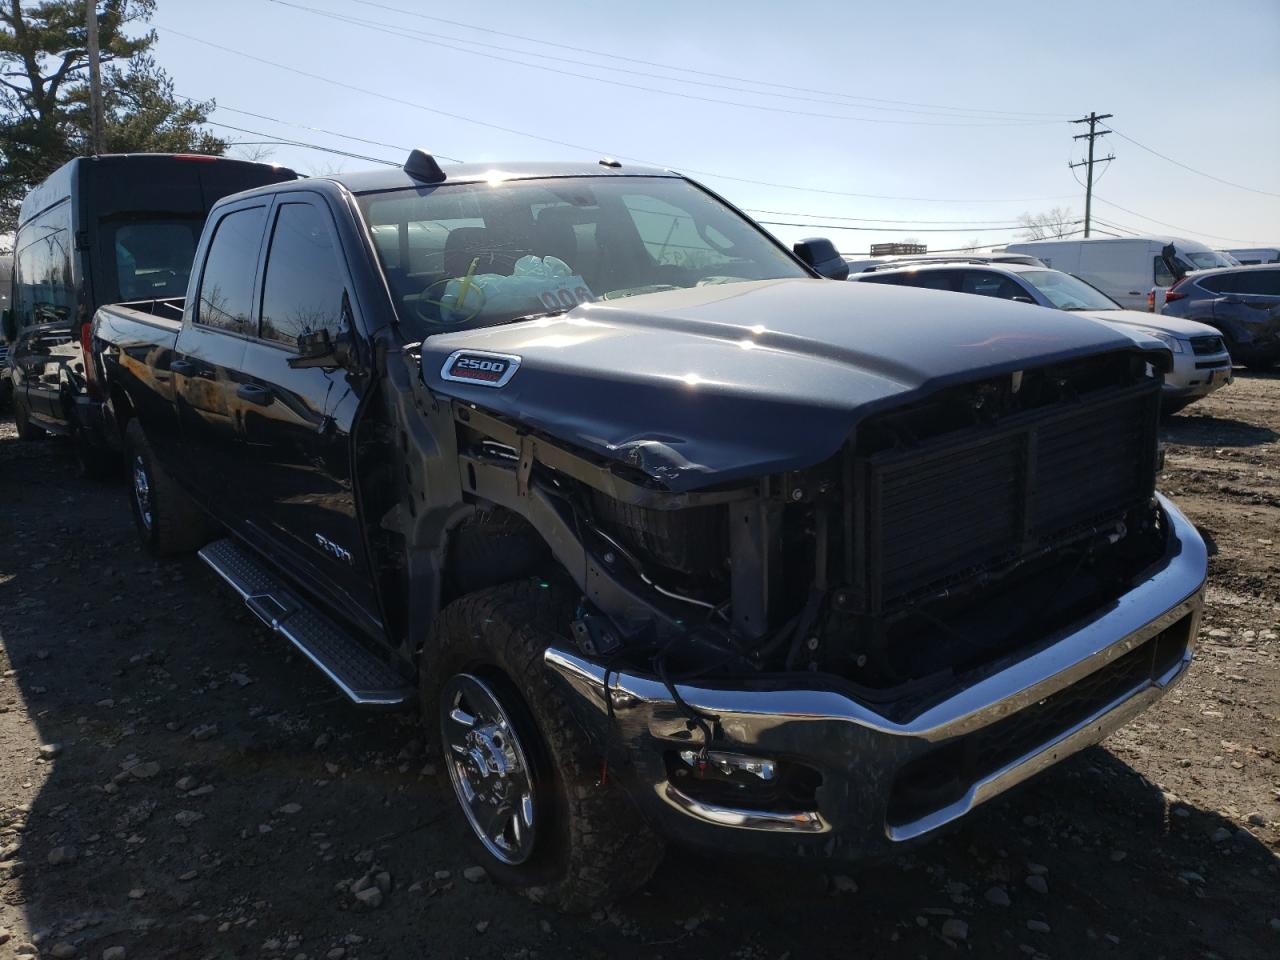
x=523, y=769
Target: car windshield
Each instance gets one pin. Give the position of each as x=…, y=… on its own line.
x=1205, y=260
x=478, y=254
x=1067, y=292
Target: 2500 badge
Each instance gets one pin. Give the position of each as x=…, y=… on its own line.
x=479, y=367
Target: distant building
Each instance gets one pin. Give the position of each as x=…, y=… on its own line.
x=898, y=249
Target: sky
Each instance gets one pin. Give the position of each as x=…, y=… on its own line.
x=950, y=119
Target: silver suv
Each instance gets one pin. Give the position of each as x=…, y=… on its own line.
x=1201, y=363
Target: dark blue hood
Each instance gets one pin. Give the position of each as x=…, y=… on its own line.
x=721, y=382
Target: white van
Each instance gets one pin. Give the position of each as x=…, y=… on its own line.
x=1252, y=255
x=1125, y=269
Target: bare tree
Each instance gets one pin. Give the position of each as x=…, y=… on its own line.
x=327, y=168
x=1055, y=223
x=249, y=150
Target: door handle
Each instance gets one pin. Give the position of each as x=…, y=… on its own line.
x=256, y=394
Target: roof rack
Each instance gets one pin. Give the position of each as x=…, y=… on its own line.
x=926, y=261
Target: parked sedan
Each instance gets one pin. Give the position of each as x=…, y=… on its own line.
x=1242, y=302
x=1201, y=363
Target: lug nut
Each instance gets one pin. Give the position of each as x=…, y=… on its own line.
x=813, y=643
x=797, y=494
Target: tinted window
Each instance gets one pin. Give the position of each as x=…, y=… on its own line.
x=42, y=268
x=991, y=285
x=1264, y=283
x=932, y=279
x=1221, y=283
x=226, y=288
x=893, y=278
x=1161, y=273
x=152, y=257
x=303, y=288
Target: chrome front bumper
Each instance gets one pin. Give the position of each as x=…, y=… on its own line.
x=862, y=756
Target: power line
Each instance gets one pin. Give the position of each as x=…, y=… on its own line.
x=574, y=146
x=828, y=216
x=690, y=70
x=838, y=226
x=392, y=30
x=1143, y=216
x=968, y=249
x=445, y=41
x=303, y=126
x=1179, y=163
x=301, y=143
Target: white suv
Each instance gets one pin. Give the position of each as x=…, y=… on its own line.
x=1201, y=363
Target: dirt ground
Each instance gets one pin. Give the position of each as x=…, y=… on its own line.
x=213, y=797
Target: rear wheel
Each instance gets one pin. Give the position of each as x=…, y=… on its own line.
x=523, y=769
x=167, y=519
x=95, y=462
x=26, y=429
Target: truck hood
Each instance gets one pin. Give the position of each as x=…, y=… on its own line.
x=715, y=383
x=1153, y=321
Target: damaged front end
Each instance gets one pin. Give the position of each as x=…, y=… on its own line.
x=830, y=659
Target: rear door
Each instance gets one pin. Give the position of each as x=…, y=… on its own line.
x=210, y=349
x=1248, y=302
x=295, y=425
x=44, y=307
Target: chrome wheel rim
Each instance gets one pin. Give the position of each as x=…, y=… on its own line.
x=489, y=768
x=142, y=491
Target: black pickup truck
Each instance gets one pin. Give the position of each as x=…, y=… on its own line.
x=669, y=536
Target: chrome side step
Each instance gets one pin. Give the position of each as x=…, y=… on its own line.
x=366, y=680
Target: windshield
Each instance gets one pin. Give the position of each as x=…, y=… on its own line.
x=478, y=254
x=1067, y=292
x=1205, y=260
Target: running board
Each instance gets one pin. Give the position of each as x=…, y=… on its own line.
x=366, y=680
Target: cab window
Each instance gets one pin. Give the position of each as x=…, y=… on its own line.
x=1161, y=273
x=226, y=287
x=303, y=287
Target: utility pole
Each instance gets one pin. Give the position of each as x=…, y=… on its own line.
x=1092, y=120
x=95, y=77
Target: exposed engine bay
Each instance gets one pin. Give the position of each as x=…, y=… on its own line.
x=943, y=537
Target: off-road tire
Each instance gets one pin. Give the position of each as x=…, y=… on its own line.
x=593, y=846
x=176, y=524
x=26, y=429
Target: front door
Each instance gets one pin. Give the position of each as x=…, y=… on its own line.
x=296, y=424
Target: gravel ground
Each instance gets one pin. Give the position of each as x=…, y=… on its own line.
x=174, y=783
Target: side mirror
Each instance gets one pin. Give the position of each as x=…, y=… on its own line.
x=820, y=255
x=9, y=326
x=320, y=349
